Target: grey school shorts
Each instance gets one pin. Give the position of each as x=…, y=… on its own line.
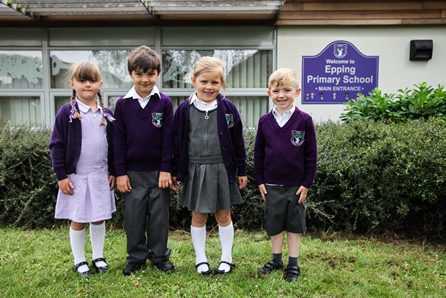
x=283, y=212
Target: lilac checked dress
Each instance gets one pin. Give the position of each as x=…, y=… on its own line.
x=92, y=199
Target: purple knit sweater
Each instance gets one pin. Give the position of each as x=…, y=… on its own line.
x=286, y=155
x=143, y=137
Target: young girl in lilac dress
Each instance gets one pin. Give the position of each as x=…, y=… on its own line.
x=82, y=159
x=210, y=159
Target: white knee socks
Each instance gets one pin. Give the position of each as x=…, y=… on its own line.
x=77, y=241
x=226, y=239
x=97, y=236
x=198, y=235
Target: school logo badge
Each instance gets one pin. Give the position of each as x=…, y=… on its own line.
x=297, y=137
x=157, y=119
x=340, y=50
x=230, y=120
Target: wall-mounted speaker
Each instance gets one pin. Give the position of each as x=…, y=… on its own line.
x=421, y=50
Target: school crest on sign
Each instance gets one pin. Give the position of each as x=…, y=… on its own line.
x=297, y=137
x=230, y=120
x=157, y=119
x=340, y=50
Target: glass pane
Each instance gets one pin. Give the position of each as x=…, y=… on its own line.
x=249, y=107
x=112, y=63
x=112, y=102
x=20, y=110
x=21, y=69
x=244, y=68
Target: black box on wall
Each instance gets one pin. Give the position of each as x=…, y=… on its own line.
x=421, y=50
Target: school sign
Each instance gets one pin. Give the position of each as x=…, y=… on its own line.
x=337, y=74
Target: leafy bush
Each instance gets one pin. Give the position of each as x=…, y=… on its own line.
x=377, y=176
x=422, y=102
x=26, y=178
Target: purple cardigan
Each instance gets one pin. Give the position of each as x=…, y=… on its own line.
x=286, y=155
x=230, y=136
x=66, y=141
x=143, y=137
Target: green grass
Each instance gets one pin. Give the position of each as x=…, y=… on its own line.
x=38, y=264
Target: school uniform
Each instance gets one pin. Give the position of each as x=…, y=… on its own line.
x=206, y=187
x=82, y=151
x=285, y=158
x=230, y=139
x=143, y=147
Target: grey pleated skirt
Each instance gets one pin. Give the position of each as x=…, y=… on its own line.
x=206, y=188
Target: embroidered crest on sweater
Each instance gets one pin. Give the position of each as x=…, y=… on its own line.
x=157, y=119
x=297, y=137
x=230, y=120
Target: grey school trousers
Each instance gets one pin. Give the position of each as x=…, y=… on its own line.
x=146, y=218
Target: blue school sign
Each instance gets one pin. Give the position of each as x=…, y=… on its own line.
x=337, y=74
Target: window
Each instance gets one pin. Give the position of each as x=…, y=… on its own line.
x=244, y=68
x=112, y=63
x=20, y=110
x=21, y=70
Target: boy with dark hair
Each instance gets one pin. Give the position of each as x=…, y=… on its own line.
x=285, y=160
x=143, y=147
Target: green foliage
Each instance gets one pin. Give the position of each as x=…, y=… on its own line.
x=26, y=178
x=250, y=214
x=373, y=175
x=422, y=102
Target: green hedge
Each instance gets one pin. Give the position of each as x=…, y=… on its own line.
x=376, y=176
x=371, y=176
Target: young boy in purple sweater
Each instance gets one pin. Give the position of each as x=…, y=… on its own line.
x=143, y=147
x=285, y=159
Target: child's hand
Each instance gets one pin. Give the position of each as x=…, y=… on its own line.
x=175, y=185
x=66, y=186
x=302, y=191
x=242, y=181
x=262, y=190
x=112, y=181
x=164, y=180
x=123, y=184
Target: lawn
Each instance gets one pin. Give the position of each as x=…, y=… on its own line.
x=38, y=264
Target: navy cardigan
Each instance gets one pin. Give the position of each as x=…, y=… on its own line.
x=230, y=135
x=66, y=141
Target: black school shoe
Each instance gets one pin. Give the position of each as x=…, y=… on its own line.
x=102, y=269
x=207, y=272
x=222, y=272
x=165, y=265
x=292, y=273
x=86, y=273
x=131, y=268
x=270, y=267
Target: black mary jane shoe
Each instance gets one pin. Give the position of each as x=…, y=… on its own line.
x=222, y=272
x=86, y=273
x=205, y=273
x=102, y=269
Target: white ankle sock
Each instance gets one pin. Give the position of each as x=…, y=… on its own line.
x=97, y=235
x=198, y=235
x=226, y=239
x=77, y=240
